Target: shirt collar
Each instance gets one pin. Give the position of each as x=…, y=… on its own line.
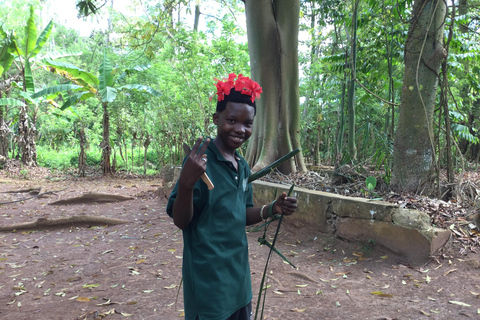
x=213, y=148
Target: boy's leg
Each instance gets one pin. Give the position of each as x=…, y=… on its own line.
x=244, y=313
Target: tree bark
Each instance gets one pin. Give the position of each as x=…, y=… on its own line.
x=352, y=148
x=414, y=153
x=4, y=131
x=146, y=144
x=26, y=139
x=272, y=30
x=197, y=17
x=105, y=144
x=82, y=158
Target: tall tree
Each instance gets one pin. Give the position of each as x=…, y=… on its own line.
x=352, y=148
x=272, y=31
x=414, y=151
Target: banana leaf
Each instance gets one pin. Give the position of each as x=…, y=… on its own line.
x=42, y=39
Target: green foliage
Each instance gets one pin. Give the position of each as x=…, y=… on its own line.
x=181, y=64
x=65, y=157
x=371, y=183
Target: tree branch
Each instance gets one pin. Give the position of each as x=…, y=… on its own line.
x=376, y=96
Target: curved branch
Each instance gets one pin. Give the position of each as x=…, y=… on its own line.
x=376, y=96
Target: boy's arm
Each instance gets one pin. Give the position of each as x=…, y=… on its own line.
x=193, y=167
x=284, y=204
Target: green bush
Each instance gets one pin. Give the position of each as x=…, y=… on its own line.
x=94, y=158
x=54, y=159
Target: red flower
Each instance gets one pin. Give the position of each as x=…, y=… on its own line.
x=243, y=84
x=256, y=90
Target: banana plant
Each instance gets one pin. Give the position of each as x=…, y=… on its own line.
x=21, y=54
x=84, y=85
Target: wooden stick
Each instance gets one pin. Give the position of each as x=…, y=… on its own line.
x=207, y=180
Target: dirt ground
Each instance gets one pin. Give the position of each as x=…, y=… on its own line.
x=133, y=270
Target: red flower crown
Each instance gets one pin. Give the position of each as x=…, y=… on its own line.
x=243, y=84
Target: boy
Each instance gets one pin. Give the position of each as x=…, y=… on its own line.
x=216, y=272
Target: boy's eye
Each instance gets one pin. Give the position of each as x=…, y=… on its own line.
x=248, y=124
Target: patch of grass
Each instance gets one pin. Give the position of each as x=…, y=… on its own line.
x=64, y=158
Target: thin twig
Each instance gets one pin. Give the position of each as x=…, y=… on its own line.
x=376, y=96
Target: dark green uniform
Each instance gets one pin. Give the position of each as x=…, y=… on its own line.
x=216, y=272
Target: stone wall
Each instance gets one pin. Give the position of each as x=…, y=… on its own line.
x=408, y=233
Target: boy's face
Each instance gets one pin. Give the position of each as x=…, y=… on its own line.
x=234, y=124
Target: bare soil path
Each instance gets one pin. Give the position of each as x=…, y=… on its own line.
x=133, y=270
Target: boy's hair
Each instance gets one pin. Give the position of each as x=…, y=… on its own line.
x=235, y=96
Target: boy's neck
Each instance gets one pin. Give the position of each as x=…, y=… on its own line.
x=228, y=154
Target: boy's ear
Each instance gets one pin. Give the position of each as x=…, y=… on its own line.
x=215, y=118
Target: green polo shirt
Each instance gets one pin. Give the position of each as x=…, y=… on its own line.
x=216, y=271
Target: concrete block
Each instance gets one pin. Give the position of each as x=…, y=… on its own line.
x=417, y=246
x=362, y=208
x=408, y=233
x=313, y=209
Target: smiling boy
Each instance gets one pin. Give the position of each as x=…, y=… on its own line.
x=216, y=272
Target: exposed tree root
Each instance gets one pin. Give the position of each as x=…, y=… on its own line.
x=73, y=221
x=93, y=197
x=34, y=190
x=40, y=194
x=302, y=276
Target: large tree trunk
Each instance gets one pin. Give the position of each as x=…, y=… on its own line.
x=105, y=144
x=414, y=152
x=26, y=139
x=352, y=147
x=272, y=29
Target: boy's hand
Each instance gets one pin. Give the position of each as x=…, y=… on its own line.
x=285, y=205
x=195, y=164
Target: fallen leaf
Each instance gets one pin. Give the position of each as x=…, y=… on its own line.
x=376, y=292
x=449, y=271
x=83, y=299
x=425, y=313
x=298, y=310
x=171, y=287
x=459, y=303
